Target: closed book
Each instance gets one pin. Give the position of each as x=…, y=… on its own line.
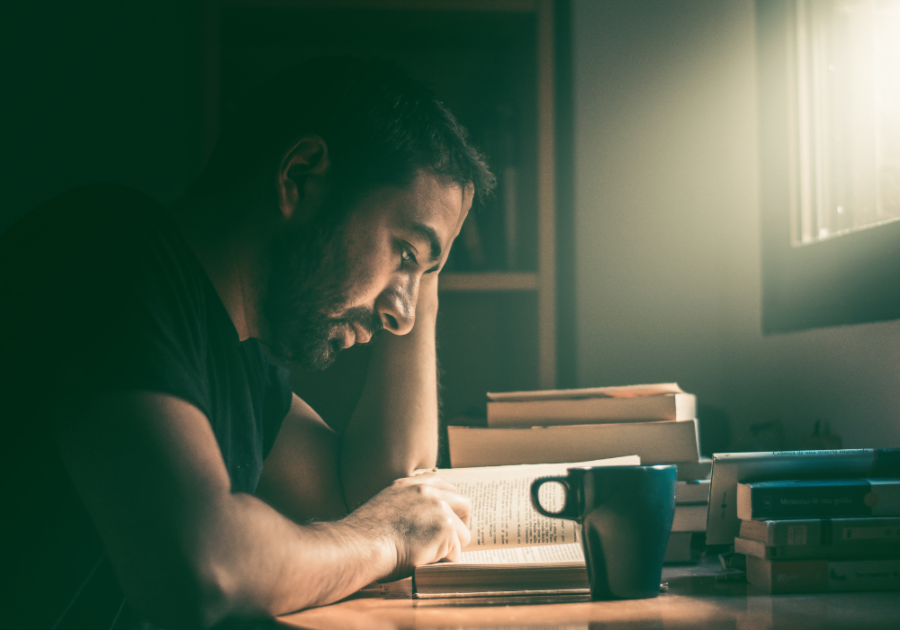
x=654, y=442
x=731, y=468
x=693, y=491
x=831, y=532
x=701, y=469
x=591, y=410
x=690, y=518
x=818, y=498
x=822, y=576
x=620, y=391
x=860, y=551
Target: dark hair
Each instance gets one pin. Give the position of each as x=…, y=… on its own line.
x=381, y=127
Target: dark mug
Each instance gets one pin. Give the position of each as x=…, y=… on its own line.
x=626, y=515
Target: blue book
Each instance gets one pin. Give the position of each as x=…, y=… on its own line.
x=818, y=498
x=729, y=469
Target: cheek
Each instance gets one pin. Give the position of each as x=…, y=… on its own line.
x=370, y=272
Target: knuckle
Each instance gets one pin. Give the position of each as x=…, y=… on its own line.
x=424, y=490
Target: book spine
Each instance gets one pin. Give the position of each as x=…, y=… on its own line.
x=830, y=532
x=585, y=411
x=871, y=462
x=690, y=493
x=860, y=498
x=654, y=442
x=810, y=576
x=690, y=518
x=859, y=551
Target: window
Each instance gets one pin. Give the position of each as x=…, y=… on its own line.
x=830, y=150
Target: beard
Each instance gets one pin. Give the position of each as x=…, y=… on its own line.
x=305, y=297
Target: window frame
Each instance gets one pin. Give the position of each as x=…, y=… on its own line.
x=850, y=279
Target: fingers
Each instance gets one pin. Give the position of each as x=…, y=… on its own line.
x=455, y=552
x=460, y=504
x=429, y=478
x=459, y=535
x=463, y=535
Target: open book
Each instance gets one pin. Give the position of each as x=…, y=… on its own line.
x=514, y=550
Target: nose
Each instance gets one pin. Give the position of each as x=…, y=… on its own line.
x=396, y=306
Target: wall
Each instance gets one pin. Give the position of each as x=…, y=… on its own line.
x=666, y=221
x=98, y=90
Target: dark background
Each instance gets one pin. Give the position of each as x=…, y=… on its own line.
x=98, y=90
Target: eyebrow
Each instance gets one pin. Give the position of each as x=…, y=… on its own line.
x=427, y=232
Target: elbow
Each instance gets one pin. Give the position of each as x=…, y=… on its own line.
x=195, y=598
x=212, y=600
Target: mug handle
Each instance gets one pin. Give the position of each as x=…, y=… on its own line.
x=569, y=509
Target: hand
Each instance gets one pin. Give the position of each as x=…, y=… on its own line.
x=427, y=304
x=423, y=519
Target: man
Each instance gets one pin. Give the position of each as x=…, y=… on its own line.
x=160, y=466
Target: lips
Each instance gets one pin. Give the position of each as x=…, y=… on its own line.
x=362, y=335
x=349, y=337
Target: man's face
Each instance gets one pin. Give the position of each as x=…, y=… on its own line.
x=328, y=289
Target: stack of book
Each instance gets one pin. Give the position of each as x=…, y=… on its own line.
x=656, y=422
x=818, y=535
x=691, y=510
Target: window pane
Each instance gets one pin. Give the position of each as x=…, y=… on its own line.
x=845, y=88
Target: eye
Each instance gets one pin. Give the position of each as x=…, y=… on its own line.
x=407, y=257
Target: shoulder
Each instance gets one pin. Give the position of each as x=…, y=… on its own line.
x=57, y=241
x=100, y=268
x=93, y=211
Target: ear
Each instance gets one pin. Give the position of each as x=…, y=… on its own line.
x=300, y=183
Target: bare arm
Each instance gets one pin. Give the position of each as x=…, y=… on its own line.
x=394, y=429
x=189, y=552
x=300, y=476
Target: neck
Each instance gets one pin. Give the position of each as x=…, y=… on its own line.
x=229, y=247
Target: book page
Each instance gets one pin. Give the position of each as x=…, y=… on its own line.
x=570, y=552
x=502, y=515
x=625, y=391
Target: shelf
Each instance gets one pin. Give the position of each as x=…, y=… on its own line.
x=490, y=281
x=513, y=6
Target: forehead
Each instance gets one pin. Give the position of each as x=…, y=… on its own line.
x=427, y=202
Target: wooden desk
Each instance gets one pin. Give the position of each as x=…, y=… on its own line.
x=695, y=599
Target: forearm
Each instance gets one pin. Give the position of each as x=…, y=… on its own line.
x=188, y=551
x=394, y=429
x=267, y=565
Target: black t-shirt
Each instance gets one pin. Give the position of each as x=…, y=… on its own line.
x=100, y=293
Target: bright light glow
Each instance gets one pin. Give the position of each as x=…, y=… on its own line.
x=845, y=86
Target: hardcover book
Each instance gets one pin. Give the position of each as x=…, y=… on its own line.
x=818, y=498
x=690, y=471
x=863, y=550
x=654, y=442
x=574, y=409
x=827, y=532
x=731, y=468
x=819, y=576
x=690, y=518
x=692, y=491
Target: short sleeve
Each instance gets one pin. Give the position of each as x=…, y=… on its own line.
x=126, y=313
